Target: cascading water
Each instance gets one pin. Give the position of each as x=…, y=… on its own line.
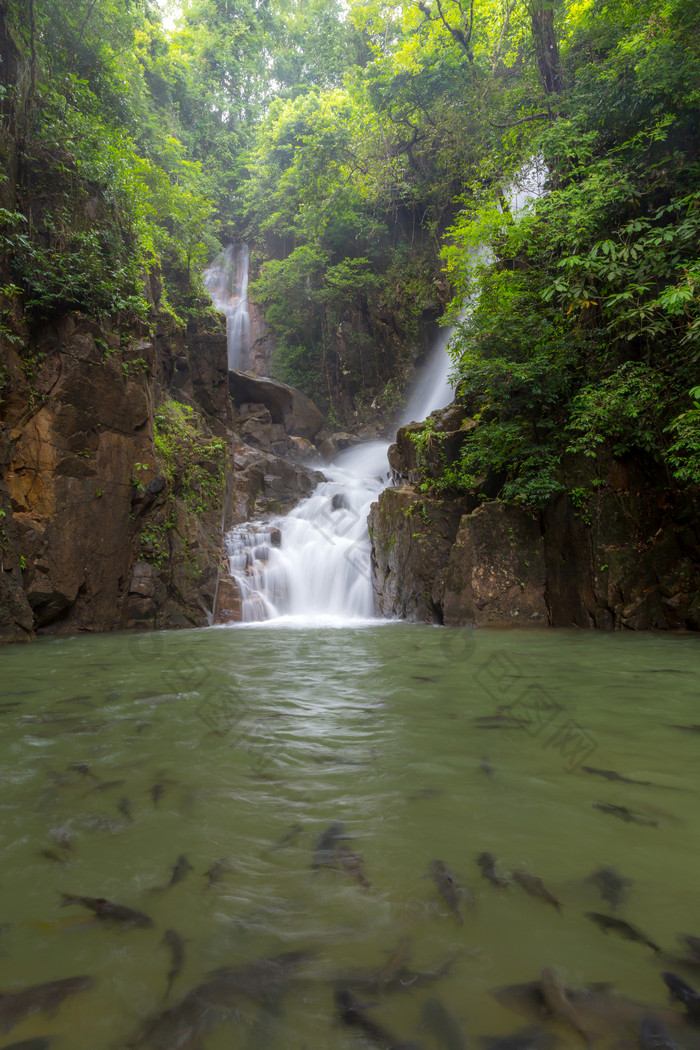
x=226, y=280
x=314, y=563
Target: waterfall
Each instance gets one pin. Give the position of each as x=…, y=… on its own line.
x=226, y=280
x=313, y=565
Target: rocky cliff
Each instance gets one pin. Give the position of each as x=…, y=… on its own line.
x=108, y=521
x=613, y=551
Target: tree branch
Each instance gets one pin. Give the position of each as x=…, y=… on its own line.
x=523, y=120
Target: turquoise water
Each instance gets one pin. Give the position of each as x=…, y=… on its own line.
x=241, y=745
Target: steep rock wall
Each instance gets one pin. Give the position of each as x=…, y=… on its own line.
x=621, y=559
x=97, y=533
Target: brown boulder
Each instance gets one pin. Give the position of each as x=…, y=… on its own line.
x=496, y=570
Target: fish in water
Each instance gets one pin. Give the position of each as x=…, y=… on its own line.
x=611, y=886
x=351, y=1012
x=85, y=771
x=683, y=993
x=654, y=1035
x=185, y=1025
x=156, y=793
x=611, y=774
x=535, y=887
x=447, y=887
x=624, y=929
x=40, y=998
x=487, y=863
x=216, y=870
x=628, y=815
x=41, y=1042
x=397, y=961
x=124, y=807
x=445, y=1029
x=501, y=720
x=108, y=911
x=181, y=869
x=288, y=838
x=531, y=1038
x=348, y=861
x=559, y=1004
x=486, y=767
x=106, y=785
x=326, y=845
x=50, y=854
x=176, y=946
x=398, y=978
x=692, y=944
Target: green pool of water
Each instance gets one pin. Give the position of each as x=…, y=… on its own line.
x=241, y=745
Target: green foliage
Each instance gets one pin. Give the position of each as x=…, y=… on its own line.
x=193, y=461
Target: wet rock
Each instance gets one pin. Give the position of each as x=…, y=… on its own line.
x=496, y=570
x=411, y=540
x=329, y=448
x=287, y=406
x=228, y=601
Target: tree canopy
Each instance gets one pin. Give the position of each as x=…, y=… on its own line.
x=367, y=151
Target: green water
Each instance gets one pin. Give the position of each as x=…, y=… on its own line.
x=249, y=732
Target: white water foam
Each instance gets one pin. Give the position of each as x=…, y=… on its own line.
x=226, y=280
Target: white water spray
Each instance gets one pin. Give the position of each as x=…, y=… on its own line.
x=226, y=280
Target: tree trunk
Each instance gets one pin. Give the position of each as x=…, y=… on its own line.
x=546, y=47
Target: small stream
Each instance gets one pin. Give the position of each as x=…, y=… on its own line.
x=130, y=762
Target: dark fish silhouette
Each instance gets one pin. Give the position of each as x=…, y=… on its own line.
x=176, y=945
x=85, y=771
x=397, y=961
x=654, y=1035
x=624, y=929
x=500, y=720
x=692, y=944
x=40, y=998
x=683, y=993
x=348, y=861
x=535, y=887
x=628, y=815
x=487, y=863
x=326, y=845
x=351, y=1012
x=156, y=793
x=447, y=887
x=106, y=785
x=184, y=1025
x=124, y=807
x=289, y=836
x=611, y=774
x=180, y=871
x=51, y=854
x=443, y=1026
x=216, y=870
x=108, y=911
x=559, y=1004
x=486, y=767
x=531, y=1038
x=611, y=886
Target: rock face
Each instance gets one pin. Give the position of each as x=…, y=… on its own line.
x=411, y=540
x=620, y=558
x=83, y=497
x=294, y=411
x=496, y=570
